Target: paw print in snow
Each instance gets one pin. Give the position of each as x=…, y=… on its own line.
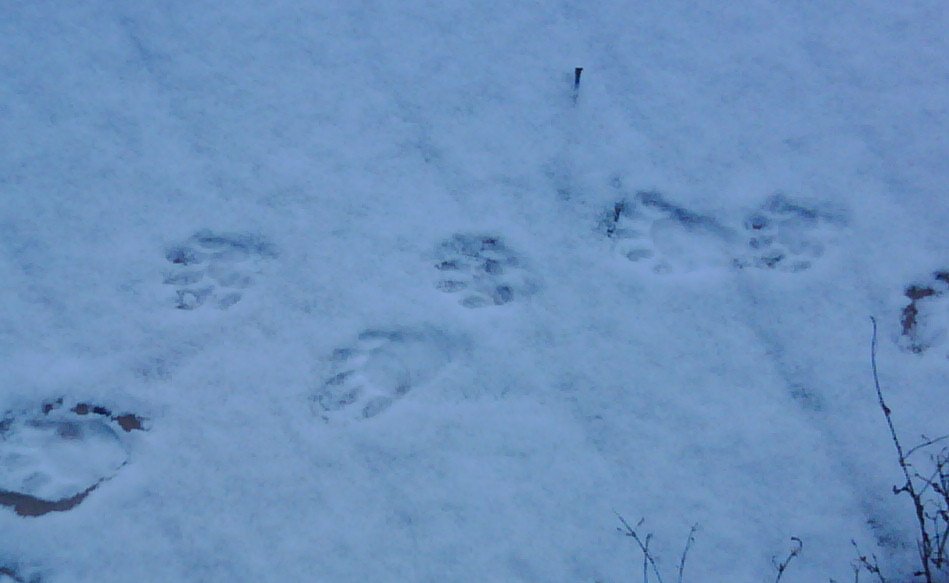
x=482, y=270
x=380, y=368
x=925, y=320
x=787, y=236
x=51, y=460
x=214, y=268
x=663, y=237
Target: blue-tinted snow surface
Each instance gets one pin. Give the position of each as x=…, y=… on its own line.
x=399, y=308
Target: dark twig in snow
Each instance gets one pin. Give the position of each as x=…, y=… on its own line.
x=576, y=82
x=648, y=559
x=932, y=537
x=871, y=564
x=783, y=565
x=926, y=443
x=685, y=551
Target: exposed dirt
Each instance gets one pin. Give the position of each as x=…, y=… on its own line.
x=127, y=421
x=26, y=505
x=910, y=315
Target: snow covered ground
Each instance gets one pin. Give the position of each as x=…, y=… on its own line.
x=361, y=291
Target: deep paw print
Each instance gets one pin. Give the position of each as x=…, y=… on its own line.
x=52, y=459
x=925, y=320
x=214, y=268
x=381, y=367
x=663, y=237
x=787, y=236
x=481, y=270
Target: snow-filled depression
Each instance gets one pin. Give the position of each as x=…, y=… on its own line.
x=390, y=291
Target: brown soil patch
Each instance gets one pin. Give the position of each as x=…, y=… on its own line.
x=26, y=505
x=127, y=421
x=910, y=315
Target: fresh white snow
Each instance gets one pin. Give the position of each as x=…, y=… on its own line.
x=397, y=307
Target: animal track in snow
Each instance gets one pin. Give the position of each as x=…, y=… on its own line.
x=787, y=236
x=214, y=268
x=663, y=237
x=925, y=320
x=380, y=368
x=52, y=459
x=482, y=270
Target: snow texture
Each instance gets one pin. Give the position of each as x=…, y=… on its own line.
x=368, y=291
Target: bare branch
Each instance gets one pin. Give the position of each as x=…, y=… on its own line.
x=644, y=547
x=926, y=443
x=685, y=551
x=871, y=564
x=909, y=487
x=781, y=567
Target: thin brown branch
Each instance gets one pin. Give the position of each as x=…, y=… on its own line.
x=644, y=547
x=926, y=444
x=798, y=546
x=871, y=564
x=909, y=487
x=685, y=551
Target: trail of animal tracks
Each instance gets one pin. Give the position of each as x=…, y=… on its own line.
x=373, y=292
